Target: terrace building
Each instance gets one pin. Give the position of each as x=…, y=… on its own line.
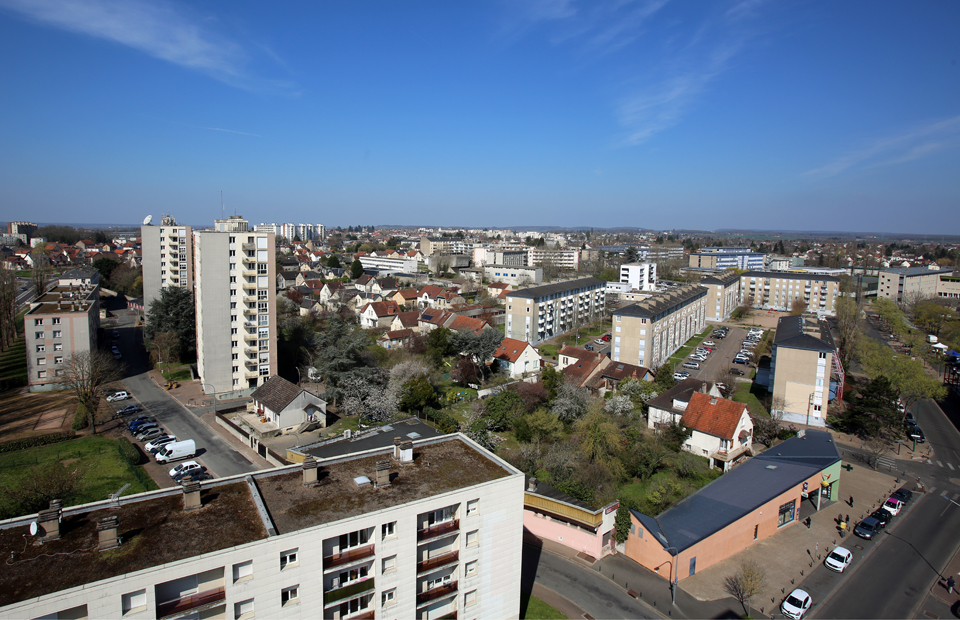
x=778, y=290
x=542, y=312
x=646, y=333
x=723, y=295
x=424, y=529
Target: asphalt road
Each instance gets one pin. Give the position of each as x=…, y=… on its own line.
x=592, y=592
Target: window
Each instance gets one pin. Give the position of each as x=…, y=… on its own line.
x=56, y=333
x=473, y=506
x=133, y=602
x=56, y=320
x=38, y=335
x=41, y=361
x=38, y=321
x=354, y=539
x=41, y=374
x=290, y=596
x=470, y=598
x=243, y=571
x=473, y=538
x=389, y=530
x=58, y=346
x=289, y=558
x=243, y=609
x=786, y=514
x=471, y=568
x=58, y=359
x=40, y=348
x=389, y=564
x=354, y=574
x=388, y=598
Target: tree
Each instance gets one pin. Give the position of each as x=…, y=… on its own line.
x=333, y=262
x=848, y=328
x=41, y=268
x=86, y=373
x=664, y=380
x=418, y=393
x=571, y=402
x=478, y=347
x=551, y=379
x=798, y=307
x=173, y=311
x=619, y=405
x=543, y=425
x=600, y=438
x=339, y=355
x=745, y=584
x=622, y=524
x=8, y=308
x=105, y=265
x=767, y=428
x=34, y=490
x=167, y=347
x=356, y=269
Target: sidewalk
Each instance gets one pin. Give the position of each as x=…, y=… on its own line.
x=939, y=603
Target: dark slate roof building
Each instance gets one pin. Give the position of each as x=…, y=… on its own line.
x=791, y=333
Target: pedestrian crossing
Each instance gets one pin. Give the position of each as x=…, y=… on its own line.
x=942, y=464
x=945, y=494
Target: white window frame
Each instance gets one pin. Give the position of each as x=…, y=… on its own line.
x=243, y=571
x=473, y=507
x=473, y=538
x=389, y=530
x=242, y=610
x=388, y=564
x=133, y=602
x=290, y=596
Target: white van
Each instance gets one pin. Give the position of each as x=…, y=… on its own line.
x=176, y=450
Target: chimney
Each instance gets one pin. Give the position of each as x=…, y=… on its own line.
x=406, y=452
x=532, y=485
x=396, y=447
x=191, y=495
x=383, y=474
x=310, y=472
x=48, y=522
x=108, y=532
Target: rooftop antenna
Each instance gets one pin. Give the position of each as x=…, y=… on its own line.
x=222, y=216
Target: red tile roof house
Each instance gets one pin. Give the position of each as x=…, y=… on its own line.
x=378, y=314
x=517, y=357
x=406, y=320
x=580, y=366
x=395, y=339
x=613, y=374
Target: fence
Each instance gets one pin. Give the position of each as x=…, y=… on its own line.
x=251, y=441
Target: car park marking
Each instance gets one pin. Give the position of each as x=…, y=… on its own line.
x=944, y=494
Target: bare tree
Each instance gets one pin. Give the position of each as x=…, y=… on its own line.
x=41, y=268
x=167, y=347
x=746, y=583
x=8, y=308
x=798, y=307
x=766, y=429
x=875, y=446
x=86, y=373
x=848, y=328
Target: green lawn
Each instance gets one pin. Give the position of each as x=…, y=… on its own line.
x=532, y=608
x=13, y=364
x=689, y=346
x=106, y=470
x=175, y=372
x=747, y=393
x=549, y=350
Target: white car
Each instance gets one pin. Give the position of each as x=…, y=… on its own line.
x=838, y=559
x=680, y=376
x=159, y=441
x=709, y=343
x=118, y=396
x=600, y=341
x=796, y=604
x=187, y=467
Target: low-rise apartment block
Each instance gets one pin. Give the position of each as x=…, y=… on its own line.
x=542, y=312
x=418, y=530
x=566, y=260
x=723, y=295
x=167, y=252
x=639, y=276
x=386, y=265
x=61, y=323
x=721, y=259
x=948, y=285
x=908, y=284
x=777, y=290
x=646, y=333
x=513, y=276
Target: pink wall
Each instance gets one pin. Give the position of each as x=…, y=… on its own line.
x=575, y=538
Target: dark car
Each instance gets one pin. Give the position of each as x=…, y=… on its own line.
x=909, y=418
x=903, y=494
x=881, y=515
x=588, y=347
x=130, y=409
x=914, y=432
x=741, y=360
x=138, y=423
x=736, y=371
x=867, y=528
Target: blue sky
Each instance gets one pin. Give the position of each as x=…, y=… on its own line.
x=782, y=114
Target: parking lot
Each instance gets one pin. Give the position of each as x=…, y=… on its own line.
x=721, y=359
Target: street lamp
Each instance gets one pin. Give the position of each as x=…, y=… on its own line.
x=673, y=578
x=214, y=396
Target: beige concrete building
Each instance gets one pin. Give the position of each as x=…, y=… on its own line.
x=62, y=322
x=167, y=252
x=430, y=246
x=777, y=290
x=565, y=260
x=514, y=276
x=908, y=284
x=648, y=332
x=236, y=306
x=418, y=530
x=542, y=312
x=723, y=295
x=948, y=285
x=801, y=365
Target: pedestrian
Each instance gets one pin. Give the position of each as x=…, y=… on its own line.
x=847, y=519
x=843, y=528
x=951, y=584
x=851, y=501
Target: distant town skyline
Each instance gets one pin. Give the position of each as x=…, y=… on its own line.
x=751, y=114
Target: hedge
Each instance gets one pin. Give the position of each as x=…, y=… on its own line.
x=128, y=451
x=445, y=422
x=33, y=442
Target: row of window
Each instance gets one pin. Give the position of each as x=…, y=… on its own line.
x=53, y=321
x=57, y=346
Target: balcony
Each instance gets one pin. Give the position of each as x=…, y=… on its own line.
x=250, y=337
x=248, y=271
x=438, y=561
x=350, y=555
x=249, y=285
x=249, y=246
x=250, y=351
x=433, y=594
x=440, y=529
x=350, y=590
x=726, y=455
x=251, y=374
x=248, y=311
x=191, y=602
x=249, y=259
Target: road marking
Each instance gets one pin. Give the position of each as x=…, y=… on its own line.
x=955, y=496
x=944, y=493
x=939, y=463
x=950, y=466
x=932, y=489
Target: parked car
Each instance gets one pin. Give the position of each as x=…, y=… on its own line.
x=195, y=477
x=893, y=506
x=606, y=338
x=737, y=371
x=680, y=376
x=838, y=559
x=187, y=467
x=741, y=360
x=121, y=395
x=882, y=516
x=139, y=423
x=867, y=528
x=177, y=450
x=157, y=442
x=914, y=432
x=600, y=341
x=117, y=355
x=698, y=358
x=709, y=343
x=150, y=433
x=130, y=409
x=693, y=365
x=903, y=494
x=909, y=418
x=116, y=334
x=588, y=347
x=145, y=426
x=796, y=604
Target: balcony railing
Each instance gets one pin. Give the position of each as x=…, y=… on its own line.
x=192, y=601
x=728, y=454
x=438, y=530
x=435, y=593
x=350, y=555
x=348, y=591
x=438, y=561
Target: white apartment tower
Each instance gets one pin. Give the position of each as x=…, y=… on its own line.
x=236, y=306
x=640, y=276
x=167, y=258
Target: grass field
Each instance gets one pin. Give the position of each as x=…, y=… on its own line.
x=13, y=363
x=106, y=470
x=748, y=395
x=689, y=346
x=175, y=372
x=532, y=608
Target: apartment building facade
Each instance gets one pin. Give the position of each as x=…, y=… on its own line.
x=777, y=290
x=648, y=332
x=542, y=312
x=908, y=284
x=61, y=323
x=514, y=276
x=565, y=260
x=721, y=258
x=660, y=253
x=640, y=276
x=504, y=256
x=801, y=365
x=167, y=258
x=948, y=285
x=723, y=295
x=431, y=529
x=236, y=306
x=386, y=265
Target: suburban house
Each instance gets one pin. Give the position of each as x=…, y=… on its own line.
x=379, y=314
x=406, y=320
x=722, y=429
x=612, y=374
x=406, y=297
x=395, y=339
x=516, y=357
x=767, y=493
x=580, y=366
x=286, y=405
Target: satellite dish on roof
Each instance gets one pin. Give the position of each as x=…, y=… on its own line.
x=147, y=220
x=33, y=528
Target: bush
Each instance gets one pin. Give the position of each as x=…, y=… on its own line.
x=33, y=442
x=128, y=451
x=445, y=422
x=80, y=418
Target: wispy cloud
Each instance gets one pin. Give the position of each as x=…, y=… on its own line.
x=911, y=145
x=160, y=29
x=242, y=133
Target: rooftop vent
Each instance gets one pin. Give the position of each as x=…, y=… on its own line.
x=310, y=472
x=383, y=474
x=532, y=485
x=713, y=400
x=191, y=495
x=771, y=466
x=48, y=522
x=362, y=481
x=108, y=531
